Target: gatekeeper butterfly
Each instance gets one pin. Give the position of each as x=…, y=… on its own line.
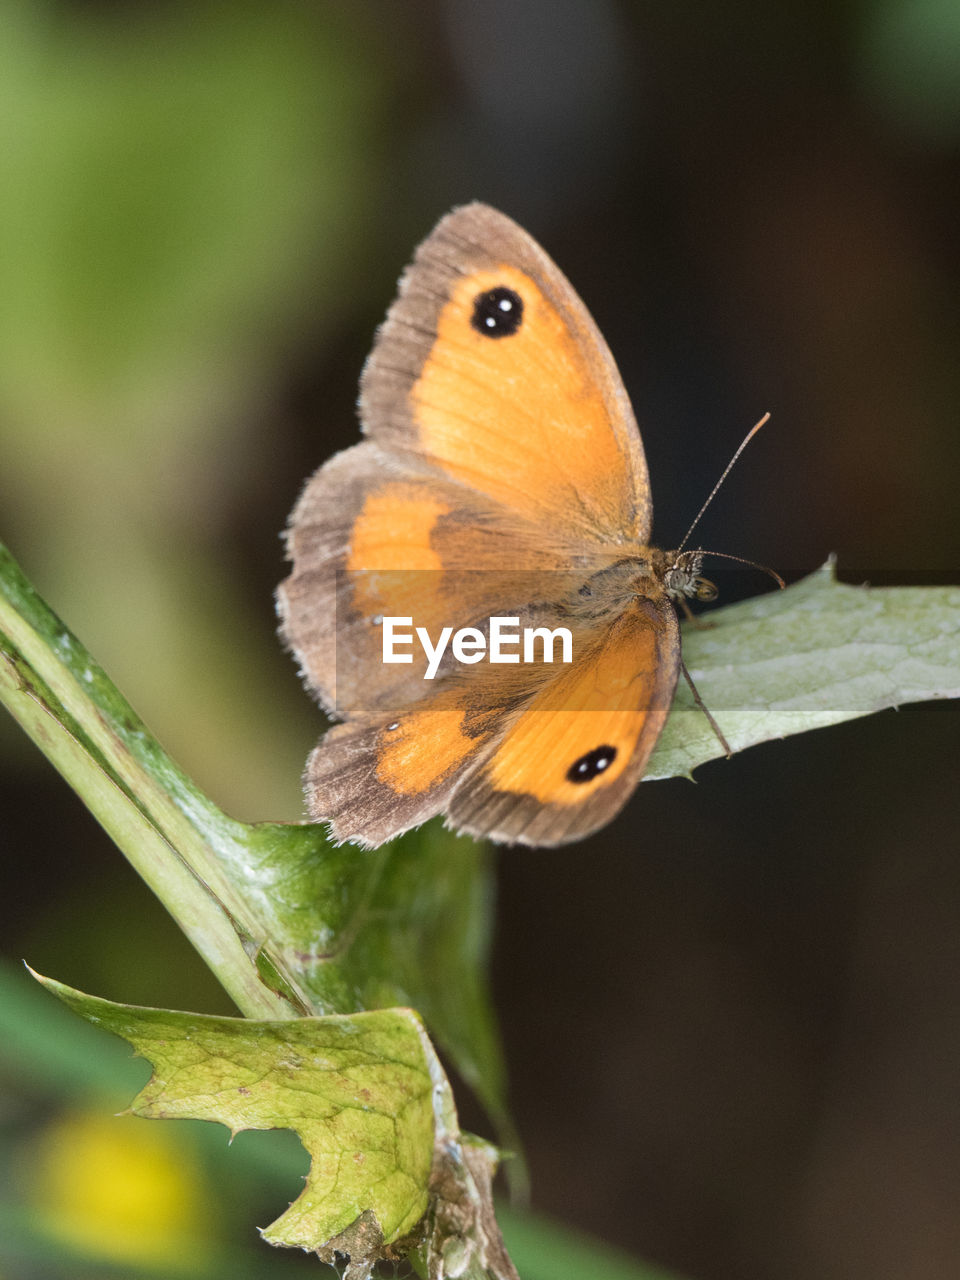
x=502, y=478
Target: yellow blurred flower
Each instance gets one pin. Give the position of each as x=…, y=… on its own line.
x=123, y=1189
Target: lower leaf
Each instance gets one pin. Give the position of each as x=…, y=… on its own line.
x=368, y=1099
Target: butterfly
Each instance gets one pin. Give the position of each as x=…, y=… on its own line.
x=502, y=478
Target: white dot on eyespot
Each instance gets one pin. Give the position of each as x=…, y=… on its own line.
x=506, y=304
x=391, y=727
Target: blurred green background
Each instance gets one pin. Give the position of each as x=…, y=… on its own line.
x=732, y=1019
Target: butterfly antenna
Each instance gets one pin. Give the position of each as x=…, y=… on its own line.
x=722, y=555
x=713, y=492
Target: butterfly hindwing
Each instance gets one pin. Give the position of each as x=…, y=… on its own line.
x=568, y=760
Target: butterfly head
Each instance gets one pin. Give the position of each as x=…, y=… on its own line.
x=682, y=579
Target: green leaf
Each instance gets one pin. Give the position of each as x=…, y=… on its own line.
x=359, y=1092
x=816, y=654
x=371, y=1105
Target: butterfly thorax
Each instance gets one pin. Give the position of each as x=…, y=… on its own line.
x=649, y=574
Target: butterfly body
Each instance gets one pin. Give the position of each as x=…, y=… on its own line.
x=502, y=477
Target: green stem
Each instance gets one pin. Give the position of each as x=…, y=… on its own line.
x=171, y=833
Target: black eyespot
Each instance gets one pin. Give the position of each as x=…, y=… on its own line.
x=497, y=312
x=593, y=763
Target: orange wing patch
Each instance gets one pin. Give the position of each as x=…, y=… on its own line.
x=484, y=408
x=393, y=530
x=423, y=749
x=593, y=716
x=393, y=567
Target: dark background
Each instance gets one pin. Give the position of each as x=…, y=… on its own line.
x=732, y=1019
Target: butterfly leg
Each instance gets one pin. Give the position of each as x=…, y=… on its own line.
x=727, y=750
x=692, y=618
